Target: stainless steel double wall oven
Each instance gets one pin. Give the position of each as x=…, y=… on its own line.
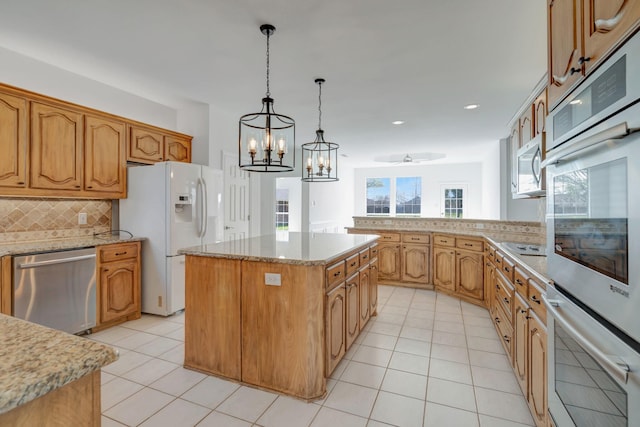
x=593, y=247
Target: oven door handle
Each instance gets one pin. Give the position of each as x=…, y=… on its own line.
x=587, y=144
x=618, y=369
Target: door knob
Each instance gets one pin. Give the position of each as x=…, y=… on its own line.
x=226, y=227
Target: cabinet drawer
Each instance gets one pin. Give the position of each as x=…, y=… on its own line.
x=117, y=252
x=353, y=263
x=504, y=295
x=535, y=300
x=389, y=237
x=373, y=251
x=470, y=245
x=497, y=259
x=520, y=282
x=364, y=257
x=440, y=240
x=415, y=238
x=508, y=268
x=336, y=274
x=505, y=329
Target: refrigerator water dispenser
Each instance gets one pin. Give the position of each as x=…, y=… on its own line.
x=183, y=208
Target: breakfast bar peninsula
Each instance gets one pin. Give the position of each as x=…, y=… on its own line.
x=278, y=311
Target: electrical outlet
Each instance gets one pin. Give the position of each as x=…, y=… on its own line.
x=272, y=279
x=82, y=218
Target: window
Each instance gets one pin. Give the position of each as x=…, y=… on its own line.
x=282, y=209
x=453, y=202
x=378, y=196
x=408, y=195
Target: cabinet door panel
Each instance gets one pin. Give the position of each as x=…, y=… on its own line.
x=353, y=309
x=13, y=141
x=389, y=262
x=373, y=288
x=177, y=149
x=335, y=328
x=520, y=338
x=606, y=23
x=105, y=161
x=119, y=290
x=469, y=274
x=364, y=297
x=565, y=47
x=145, y=146
x=56, y=148
x=538, y=370
x=415, y=263
x=444, y=268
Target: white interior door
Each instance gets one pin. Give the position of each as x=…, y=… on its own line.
x=236, y=199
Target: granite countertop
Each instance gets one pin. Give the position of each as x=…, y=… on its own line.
x=35, y=360
x=62, y=244
x=287, y=247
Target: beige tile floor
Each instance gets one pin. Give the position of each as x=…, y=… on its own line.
x=426, y=360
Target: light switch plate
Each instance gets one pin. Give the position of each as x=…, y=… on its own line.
x=82, y=218
x=272, y=279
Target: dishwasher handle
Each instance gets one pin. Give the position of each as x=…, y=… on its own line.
x=26, y=265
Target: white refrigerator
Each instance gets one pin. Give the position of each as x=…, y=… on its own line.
x=174, y=205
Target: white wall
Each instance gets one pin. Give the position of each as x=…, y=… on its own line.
x=433, y=176
x=331, y=204
x=491, y=201
x=36, y=76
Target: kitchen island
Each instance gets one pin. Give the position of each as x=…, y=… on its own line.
x=49, y=377
x=273, y=311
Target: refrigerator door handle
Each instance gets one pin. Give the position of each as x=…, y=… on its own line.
x=199, y=210
x=205, y=208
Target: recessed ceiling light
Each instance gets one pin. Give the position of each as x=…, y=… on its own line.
x=471, y=106
x=398, y=122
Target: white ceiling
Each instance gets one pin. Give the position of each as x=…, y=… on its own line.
x=419, y=61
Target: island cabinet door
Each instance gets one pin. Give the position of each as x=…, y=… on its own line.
x=373, y=287
x=336, y=308
x=364, y=297
x=353, y=308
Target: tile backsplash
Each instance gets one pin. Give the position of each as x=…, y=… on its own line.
x=42, y=219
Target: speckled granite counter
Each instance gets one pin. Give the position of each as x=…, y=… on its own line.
x=285, y=248
x=35, y=360
x=62, y=244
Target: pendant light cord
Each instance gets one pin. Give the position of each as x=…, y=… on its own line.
x=319, y=105
x=268, y=91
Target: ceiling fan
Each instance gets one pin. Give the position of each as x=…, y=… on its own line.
x=409, y=158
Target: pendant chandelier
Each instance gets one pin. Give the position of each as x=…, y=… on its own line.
x=266, y=140
x=320, y=158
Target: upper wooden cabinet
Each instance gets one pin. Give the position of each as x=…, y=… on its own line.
x=53, y=148
x=56, y=148
x=606, y=23
x=149, y=145
x=527, y=131
x=540, y=114
x=177, y=149
x=581, y=35
x=105, y=162
x=514, y=144
x=13, y=140
x=145, y=145
x=565, y=46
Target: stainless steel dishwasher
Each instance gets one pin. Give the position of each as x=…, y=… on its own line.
x=56, y=289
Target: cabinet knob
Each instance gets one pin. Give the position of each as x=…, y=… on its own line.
x=77, y=186
x=534, y=299
x=20, y=183
x=582, y=60
x=575, y=70
x=497, y=319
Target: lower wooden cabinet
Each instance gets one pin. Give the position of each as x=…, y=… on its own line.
x=415, y=263
x=335, y=331
x=444, y=268
x=389, y=261
x=373, y=287
x=520, y=345
x=458, y=267
x=469, y=274
x=353, y=309
x=6, y=285
x=537, y=394
x=364, y=297
x=118, y=282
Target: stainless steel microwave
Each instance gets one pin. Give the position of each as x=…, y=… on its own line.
x=530, y=179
